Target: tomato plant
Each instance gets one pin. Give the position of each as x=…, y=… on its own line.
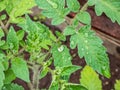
x=45, y=48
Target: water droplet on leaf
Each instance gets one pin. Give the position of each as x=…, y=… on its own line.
x=104, y=67
x=86, y=34
x=86, y=41
x=86, y=47
x=69, y=58
x=53, y=4
x=87, y=53
x=61, y=48
x=72, y=42
x=82, y=49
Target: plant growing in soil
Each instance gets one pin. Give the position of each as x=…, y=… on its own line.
x=46, y=49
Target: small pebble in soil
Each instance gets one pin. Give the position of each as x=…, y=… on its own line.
x=112, y=73
x=116, y=70
x=102, y=78
x=106, y=83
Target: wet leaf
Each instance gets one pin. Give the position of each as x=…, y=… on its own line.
x=71, y=86
x=61, y=56
x=20, y=69
x=84, y=17
x=12, y=87
x=9, y=76
x=12, y=39
x=2, y=76
x=73, y=5
x=54, y=9
x=69, y=30
x=90, y=47
x=117, y=85
x=109, y=7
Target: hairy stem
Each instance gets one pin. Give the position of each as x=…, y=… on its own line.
x=30, y=85
x=85, y=6
x=5, y=27
x=35, y=78
x=7, y=24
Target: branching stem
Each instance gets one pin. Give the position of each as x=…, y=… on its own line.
x=85, y=6
x=5, y=27
x=35, y=77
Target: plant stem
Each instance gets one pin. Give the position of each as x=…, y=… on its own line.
x=85, y=6
x=30, y=85
x=35, y=78
x=7, y=24
x=5, y=27
x=21, y=50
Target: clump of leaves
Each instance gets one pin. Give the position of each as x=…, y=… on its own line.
x=45, y=49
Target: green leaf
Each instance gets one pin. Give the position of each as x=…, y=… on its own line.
x=12, y=39
x=69, y=30
x=2, y=56
x=3, y=4
x=44, y=72
x=84, y=17
x=2, y=76
x=61, y=56
x=1, y=33
x=75, y=22
x=12, y=87
x=73, y=5
x=2, y=17
x=52, y=36
x=20, y=69
x=38, y=35
x=70, y=86
x=60, y=36
x=17, y=8
x=69, y=70
x=45, y=43
x=20, y=34
x=55, y=83
x=73, y=41
x=90, y=79
x=54, y=86
x=90, y=47
x=54, y=9
x=5, y=64
x=65, y=72
x=109, y=7
x=117, y=85
x=5, y=46
x=57, y=20
x=9, y=76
